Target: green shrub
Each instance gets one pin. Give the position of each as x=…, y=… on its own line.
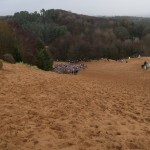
x=17, y=55
x=43, y=60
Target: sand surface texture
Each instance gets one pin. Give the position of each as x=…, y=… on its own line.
x=105, y=107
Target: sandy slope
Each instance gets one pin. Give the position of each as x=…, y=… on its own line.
x=104, y=107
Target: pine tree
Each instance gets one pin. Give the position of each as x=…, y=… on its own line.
x=43, y=60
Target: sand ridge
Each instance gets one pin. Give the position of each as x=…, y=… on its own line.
x=106, y=106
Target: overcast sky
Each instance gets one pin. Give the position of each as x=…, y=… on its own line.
x=87, y=7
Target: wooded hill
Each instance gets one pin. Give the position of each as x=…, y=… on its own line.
x=69, y=36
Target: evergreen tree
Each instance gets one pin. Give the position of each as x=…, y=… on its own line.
x=43, y=60
x=17, y=55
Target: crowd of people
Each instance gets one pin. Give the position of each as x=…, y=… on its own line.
x=69, y=68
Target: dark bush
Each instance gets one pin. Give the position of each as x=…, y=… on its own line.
x=17, y=55
x=43, y=60
x=9, y=58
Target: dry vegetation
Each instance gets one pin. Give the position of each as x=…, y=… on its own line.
x=104, y=107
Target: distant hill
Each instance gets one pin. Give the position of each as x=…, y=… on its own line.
x=69, y=36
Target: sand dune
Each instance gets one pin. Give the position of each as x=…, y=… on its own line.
x=105, y=107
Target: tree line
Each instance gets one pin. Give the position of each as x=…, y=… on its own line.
x=61, y=35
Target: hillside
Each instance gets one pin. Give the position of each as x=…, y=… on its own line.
x=105, y=106
x=70, y=36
